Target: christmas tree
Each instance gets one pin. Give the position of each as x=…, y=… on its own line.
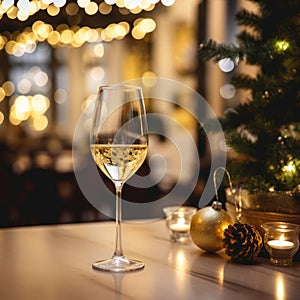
x=264, y=129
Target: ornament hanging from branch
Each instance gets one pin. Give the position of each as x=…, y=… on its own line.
x=208, y=224
x=212, y=229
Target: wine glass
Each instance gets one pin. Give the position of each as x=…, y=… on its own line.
x=119, y=145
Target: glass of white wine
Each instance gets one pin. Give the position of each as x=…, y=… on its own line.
x=119, y=144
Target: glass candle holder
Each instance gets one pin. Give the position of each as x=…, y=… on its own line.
x=281, y=240
x=178, y=220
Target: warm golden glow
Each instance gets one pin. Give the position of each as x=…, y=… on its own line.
x=2, y=94
x=67, y=36
x=46, y=2
x=148, y=4
x=40, y=123
x=21, y=108
x=126, y=26
x=99, y=50
x=93, y=36
x=272, y=189
x=24, y=86
x=119, y=31
x=34, y=7
x=83, y=33
x=83, y=3
x=59, y=3
x=114, y=31
x=53, y=10
x=1, y=117
x=151, y=7
x=25, y=42
x=77, y=40
x=105, y=8
x=30, y=108
x=42, y=30
x=282, y=45
x=136, y=10
x=168, y=2
x=220, y=271
x=280, y=288
x=142, y=27
x=179, y=260
x=97, y=73
x=13, y=120
x=6, y=4
x=3, y=41
x=289, y=168
x=53, y=38
x=136, y=6
x=72, y=9
x=91, y=9
x=39, y=104
x=8, y=88
x=147, y=25
x=41, y=78
x=111, y=2
x=12, y=12
x=105, y=37
x=9, y=47
x=23, y=9
x=149, y=79
x=137, y=33
x=23, y=15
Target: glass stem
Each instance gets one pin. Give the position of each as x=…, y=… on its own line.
x=118, y=248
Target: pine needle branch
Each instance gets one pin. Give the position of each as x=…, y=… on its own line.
x=211, y=50
x=249, y=19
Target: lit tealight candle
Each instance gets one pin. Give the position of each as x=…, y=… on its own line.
x=178, y=222
x=180, y=227
x=281, y=241
x=280, y=244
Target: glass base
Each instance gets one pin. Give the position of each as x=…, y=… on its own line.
x=118, y=264
x=281, y=262
x=181, y=237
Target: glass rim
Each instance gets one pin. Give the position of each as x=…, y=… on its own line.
x=284, y=226
x=175, y=209
x=118, y=86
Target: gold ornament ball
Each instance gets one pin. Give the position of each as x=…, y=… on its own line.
x=207, y=228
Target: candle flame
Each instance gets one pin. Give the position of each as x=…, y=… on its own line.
x=181, y=221
x=180, y=214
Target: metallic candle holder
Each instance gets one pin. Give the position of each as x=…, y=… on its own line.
x=281, y=240
x=178, y=220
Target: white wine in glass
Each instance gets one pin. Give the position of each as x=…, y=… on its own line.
x=119, y=144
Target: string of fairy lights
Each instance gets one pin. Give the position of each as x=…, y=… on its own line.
x=18, y=43
x=23, y=9
x=75, y=36
x=32, y=108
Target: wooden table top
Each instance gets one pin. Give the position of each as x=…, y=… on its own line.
x=54, y=263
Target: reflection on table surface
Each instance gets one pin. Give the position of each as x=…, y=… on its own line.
x=54, y=262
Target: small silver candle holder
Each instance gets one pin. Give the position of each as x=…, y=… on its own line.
x=178, y=220
x=281, y=240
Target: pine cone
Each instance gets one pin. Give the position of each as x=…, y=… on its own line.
x=242, y=242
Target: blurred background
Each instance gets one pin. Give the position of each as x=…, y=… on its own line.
x=55, y=54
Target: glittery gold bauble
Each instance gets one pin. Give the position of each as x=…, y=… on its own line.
x=207, y=228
